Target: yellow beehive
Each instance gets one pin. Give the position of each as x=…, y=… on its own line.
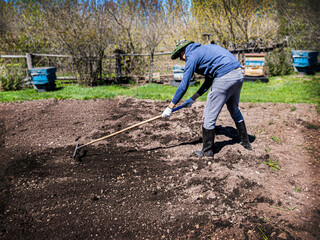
x=254, y=64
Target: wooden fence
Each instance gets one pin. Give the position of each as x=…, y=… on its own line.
x=115, y=64
x=29, y=59
x=240, y=52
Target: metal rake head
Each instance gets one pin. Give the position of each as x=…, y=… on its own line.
x=77, y=148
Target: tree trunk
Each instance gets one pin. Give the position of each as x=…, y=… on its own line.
x=151, y=66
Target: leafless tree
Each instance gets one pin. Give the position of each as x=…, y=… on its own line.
x=125, y=18
x=156, y=19
x=82, y=29
x=300, y=20
x=237, y=21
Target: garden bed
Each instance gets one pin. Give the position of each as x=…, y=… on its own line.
x=145, y=183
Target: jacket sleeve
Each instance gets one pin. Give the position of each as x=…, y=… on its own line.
x=205, y=86
x=185, y=82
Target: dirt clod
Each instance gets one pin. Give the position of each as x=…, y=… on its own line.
x=282, y=236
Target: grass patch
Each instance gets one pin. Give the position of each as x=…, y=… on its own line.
x=312, y=126
x=287, y=89
x=62, y=92
x=272, y=164
x=264, y=237
x=297, y=189
x=293, y=108
x=276, y=139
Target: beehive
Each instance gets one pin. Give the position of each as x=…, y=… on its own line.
x=303, y=58
x=43, y=78
x=254, y=64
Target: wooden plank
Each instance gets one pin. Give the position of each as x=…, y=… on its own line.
x=145, y=54
x=12, y=56
x=261, y=55
x=66, y=78
x=50, y=55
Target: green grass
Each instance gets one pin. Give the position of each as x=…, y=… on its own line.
x=312, y=126
x=297, y=189
x=272, y=164
x=264, y=237
x=275, y=139
x=286, y=89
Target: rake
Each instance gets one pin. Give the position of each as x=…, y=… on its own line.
x=116, y=133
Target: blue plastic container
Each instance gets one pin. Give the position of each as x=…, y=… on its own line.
x=43, y=78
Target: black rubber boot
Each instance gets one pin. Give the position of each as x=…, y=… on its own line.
x=208, y=141
x=242, y=130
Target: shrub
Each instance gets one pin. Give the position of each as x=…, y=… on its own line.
x=11, y=79
x=279, y=62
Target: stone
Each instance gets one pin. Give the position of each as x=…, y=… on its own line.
x=282, y=236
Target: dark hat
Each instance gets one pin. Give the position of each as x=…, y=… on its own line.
x=180, y=45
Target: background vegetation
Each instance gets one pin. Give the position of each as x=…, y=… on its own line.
x=90, y=30
x=87, y=28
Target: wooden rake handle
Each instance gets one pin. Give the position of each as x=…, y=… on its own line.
x=123, y=130
x=128, y=128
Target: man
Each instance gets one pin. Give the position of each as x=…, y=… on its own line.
x=218, y=64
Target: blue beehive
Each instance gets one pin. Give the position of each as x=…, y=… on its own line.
x=178, y=71
x=304, y=61
x=43, y=78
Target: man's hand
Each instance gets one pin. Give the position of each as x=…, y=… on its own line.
x=188, y=103
x=167, y=112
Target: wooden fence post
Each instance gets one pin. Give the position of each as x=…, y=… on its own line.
x=118, y=64
x=29, y=60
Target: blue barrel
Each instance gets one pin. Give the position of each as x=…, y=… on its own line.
x=305, y=61
x=43, y=78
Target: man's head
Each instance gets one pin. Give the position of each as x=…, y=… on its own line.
x=180, y=48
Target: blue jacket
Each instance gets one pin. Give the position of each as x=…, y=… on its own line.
x=211, y=61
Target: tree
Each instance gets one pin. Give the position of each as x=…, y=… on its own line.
x=300, y=20
x=22, y=27
x=143, y=25
x=124, y=14
x=125, y=18
x=236, y=21
x=82, y=30
x=3, y=23
x=157, y=18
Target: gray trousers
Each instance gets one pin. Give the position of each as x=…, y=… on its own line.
x=224, y=90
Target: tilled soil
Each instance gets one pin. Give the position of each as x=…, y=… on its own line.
x=145, y=183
